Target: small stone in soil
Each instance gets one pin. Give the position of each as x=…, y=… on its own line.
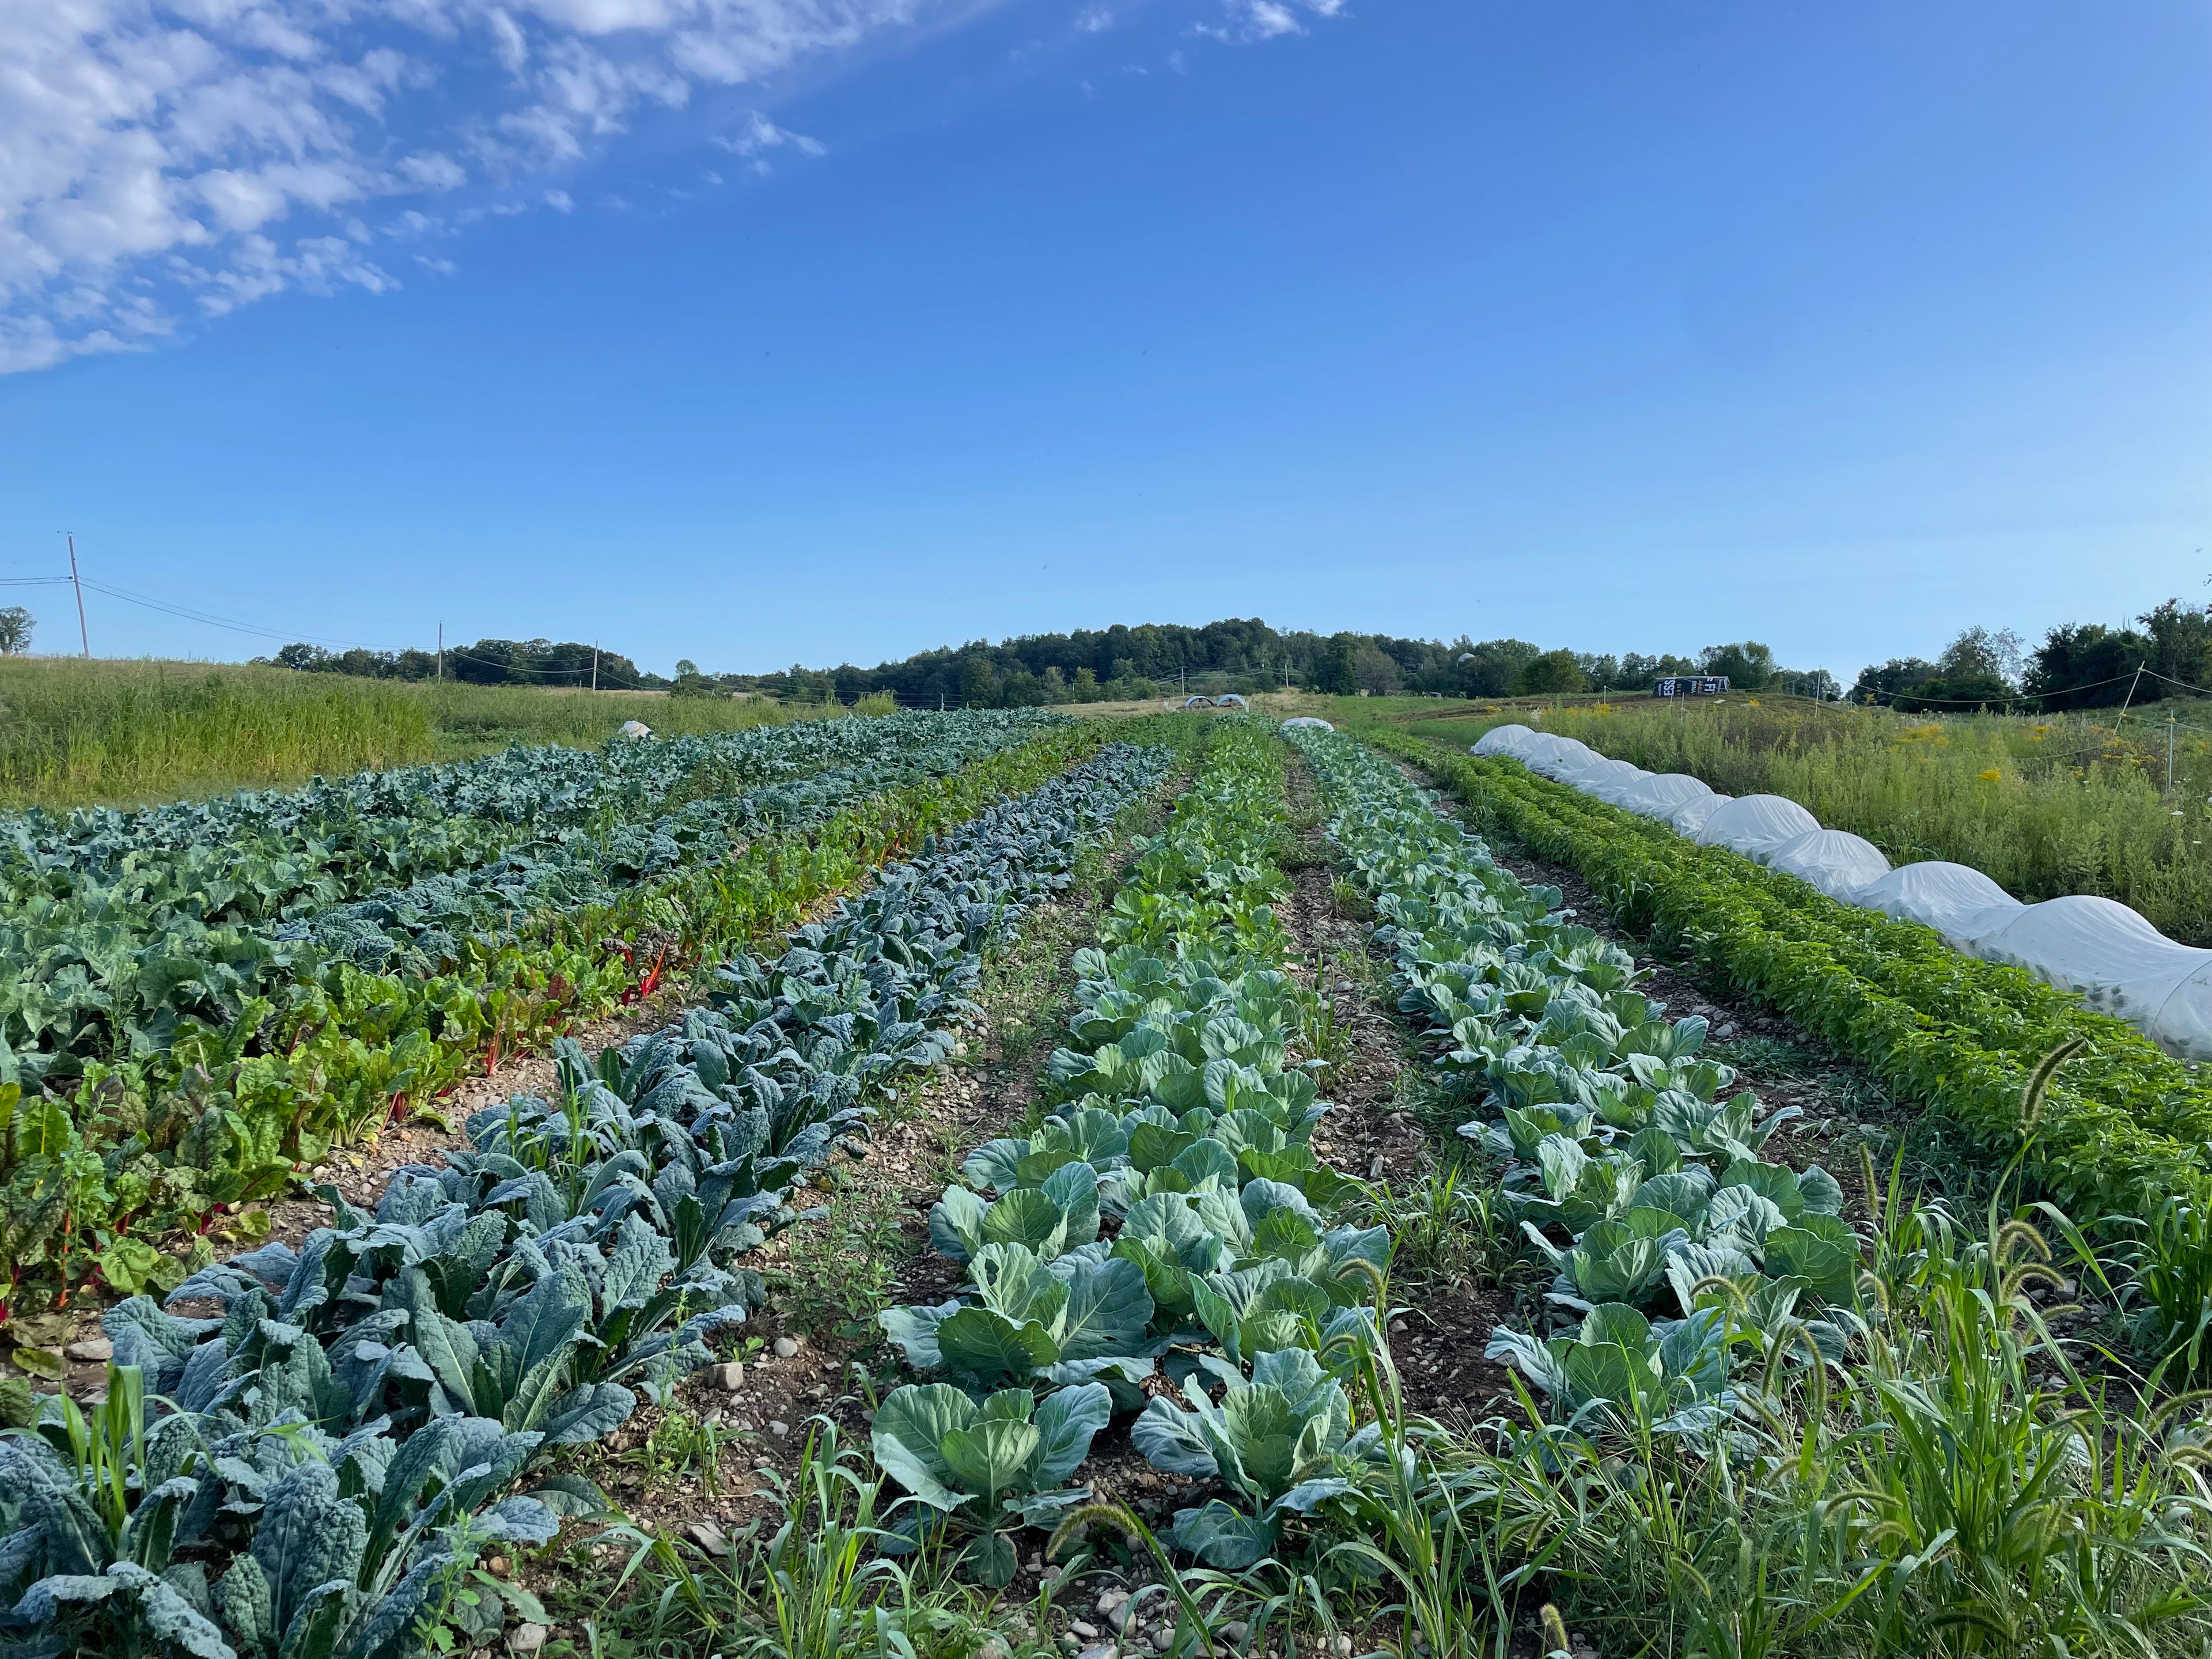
x=528, y=1639
x=786, y=1347
x=778, y=1428
x=1087, y=1632
x=93, y=1351
x=730, y=1376
x=709, y=1537
x=1097, y=1650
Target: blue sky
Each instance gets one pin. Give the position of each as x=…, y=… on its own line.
x=828, y=330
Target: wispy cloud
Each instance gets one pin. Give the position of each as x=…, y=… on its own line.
x=159, y=157
x=760, y=135
x=1245, y=21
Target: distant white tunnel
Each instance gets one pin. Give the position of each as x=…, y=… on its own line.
x=2108, y=954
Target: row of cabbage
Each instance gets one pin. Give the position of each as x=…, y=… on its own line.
x=117, y=927
x=2098, y=947
x=1166, y=1222
x=2123, y=1126
x=371, y=1410
x=97, y=1167
x=1675, y=1241
x=1760, y=1429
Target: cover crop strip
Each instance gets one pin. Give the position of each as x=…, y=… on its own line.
x=2123, y=1126
x=89, y=1175
x=350, y=1436
x=1185, y=1129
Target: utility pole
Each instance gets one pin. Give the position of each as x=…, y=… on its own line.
x=83, y=638
x=441, y=650
x=595, y=664
x=2169, y=754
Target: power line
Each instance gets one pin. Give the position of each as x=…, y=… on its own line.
x=207, y=619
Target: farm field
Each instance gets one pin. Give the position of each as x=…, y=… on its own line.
x=109, y=734
x=1151, y=1185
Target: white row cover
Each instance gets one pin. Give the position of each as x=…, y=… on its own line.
x=2100, y=948
x=1297, y=720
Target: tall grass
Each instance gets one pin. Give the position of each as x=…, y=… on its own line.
x=76, y=733
x=2045, y=807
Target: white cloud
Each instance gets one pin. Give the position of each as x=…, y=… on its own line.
x=160, y=156
x=157, y=155
x=760, y=135
x=1266, y=20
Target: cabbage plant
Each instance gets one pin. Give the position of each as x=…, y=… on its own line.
x=984, y=1468
x=1281, y=1442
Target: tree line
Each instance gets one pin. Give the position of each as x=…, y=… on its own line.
x=1247, y=656
x=2076, y=665
x=488, y=662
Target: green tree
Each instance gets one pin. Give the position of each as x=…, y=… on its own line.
x=1749, y=665
x=2089, y=665
x=1493, y=668
x=2181, y=642
x=1375, y=671
x=1555, y=670
x=1336, y=672
x=979, y=687
x=15, y=625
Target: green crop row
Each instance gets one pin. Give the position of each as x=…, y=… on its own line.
x=1748, y=1422
x=317, y=1474
x=1167, y=1224
x=2124, y=1125
x=89, y=1177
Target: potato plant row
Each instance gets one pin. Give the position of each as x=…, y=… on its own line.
x=96, y=1171
x=1162, y=1243
x=328, y=1456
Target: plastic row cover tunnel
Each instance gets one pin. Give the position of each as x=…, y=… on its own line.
x=2098, y=948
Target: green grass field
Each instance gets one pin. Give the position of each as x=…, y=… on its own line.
x=76, y=733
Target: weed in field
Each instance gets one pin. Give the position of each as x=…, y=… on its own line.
x=814, y=1589
x=2171, y=1292
x=854, y=1252
x=1350, y=899
x=1448, y=1227
x=681, y=1447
